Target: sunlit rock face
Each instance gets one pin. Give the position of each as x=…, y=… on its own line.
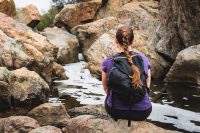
x=29, y=15
x=7, y=7
x=74, y=14
x=21, y=47
x=179, y=27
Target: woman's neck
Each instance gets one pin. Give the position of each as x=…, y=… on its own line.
x=121, y=49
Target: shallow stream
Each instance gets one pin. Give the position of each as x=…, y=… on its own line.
x=175, y=111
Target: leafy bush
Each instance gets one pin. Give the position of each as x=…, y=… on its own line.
x=46, y=19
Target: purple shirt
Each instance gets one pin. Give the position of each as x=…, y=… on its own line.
x=142, y=105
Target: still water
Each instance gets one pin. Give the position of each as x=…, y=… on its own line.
x=177, y=111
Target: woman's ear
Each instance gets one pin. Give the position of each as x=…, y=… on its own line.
x=116, y=42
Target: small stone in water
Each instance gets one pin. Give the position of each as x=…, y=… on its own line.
x=97, y=98
x=185, y=98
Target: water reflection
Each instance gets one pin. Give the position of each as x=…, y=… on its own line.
x=185, y=96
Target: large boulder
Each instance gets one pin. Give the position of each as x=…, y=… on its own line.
x=95, y=119
x=50, y=114
x=104, y=47
x=67, y=44
x=142, y=17
x=24, y=87
x=24, y=48
x=46, y=129
x=179, y=27
x=186, y=68
x=90, y=32
x=12, y=54
x=27, y=85
x=17, y=124
x=8, y=7
x=28, y=15
x=74, y=14
x=93, y=124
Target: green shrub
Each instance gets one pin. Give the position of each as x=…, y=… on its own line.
x=46, y=19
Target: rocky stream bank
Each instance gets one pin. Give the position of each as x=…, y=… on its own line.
x=166, y=31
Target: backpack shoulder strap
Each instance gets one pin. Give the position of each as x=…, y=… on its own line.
x=117, y=56
x=121, y=63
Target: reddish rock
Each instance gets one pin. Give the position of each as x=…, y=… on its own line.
x=29, y=15
x=7, y=7
x=74, y=14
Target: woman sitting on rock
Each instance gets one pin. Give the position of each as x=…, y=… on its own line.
x=126, y=80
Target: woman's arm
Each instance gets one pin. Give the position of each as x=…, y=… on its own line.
x=148, y=80
x=105, y=86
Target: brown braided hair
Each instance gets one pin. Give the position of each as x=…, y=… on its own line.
x=125, y=38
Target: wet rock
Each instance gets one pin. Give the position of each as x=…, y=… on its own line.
x=29, y=15
x=8, y=7
x=50, y=114
x=59, y=72
x=90, y=32
x=17, y=124
x=186, y=68
x=46, y=129
x=24, y=48
x=67, y=44
x=74, y=14
x=179, y=27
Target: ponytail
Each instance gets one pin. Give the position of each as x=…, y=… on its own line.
x=125, y=38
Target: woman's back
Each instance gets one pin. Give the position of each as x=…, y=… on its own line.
x=133, y=81
x=118, y=104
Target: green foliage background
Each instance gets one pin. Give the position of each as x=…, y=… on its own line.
x=46, y=19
